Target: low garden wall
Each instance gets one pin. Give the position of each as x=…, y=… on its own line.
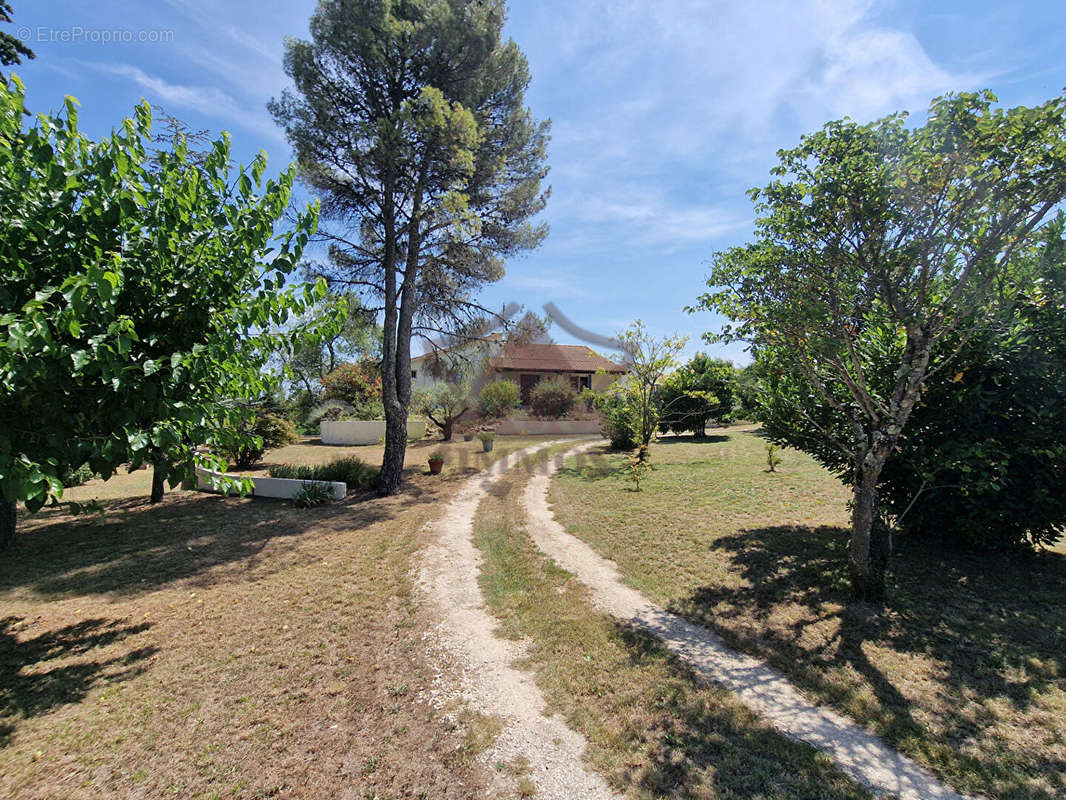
x=363, y=431
x=547, y=427
x=282, y=488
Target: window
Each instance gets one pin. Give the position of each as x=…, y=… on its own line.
x=414, y=374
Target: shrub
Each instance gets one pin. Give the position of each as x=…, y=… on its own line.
x=354, y=384
x=312, y=494
x=552, y=399
x=271, y=430
x=338, y=409
x=498, y=399
x=349, y=469
x=618, y=422
x=76, y=476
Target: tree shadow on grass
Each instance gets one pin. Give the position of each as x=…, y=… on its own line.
x=134, y=547
x=701, y=738
x=991, y=626
x=57, y=673
x=691, y=438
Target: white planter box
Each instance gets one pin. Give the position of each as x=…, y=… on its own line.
x=283, y=488
x=363, y=431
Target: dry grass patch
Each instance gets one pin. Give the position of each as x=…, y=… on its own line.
x=965, y=670
x=653, y=729
x=209, y=647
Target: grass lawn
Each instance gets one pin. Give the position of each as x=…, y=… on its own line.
x=964, y=671
x=213, y=648
x=653, y=730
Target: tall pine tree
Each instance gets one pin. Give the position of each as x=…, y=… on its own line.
x=408, y=119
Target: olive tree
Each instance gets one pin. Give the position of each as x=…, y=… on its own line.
x=876, y=245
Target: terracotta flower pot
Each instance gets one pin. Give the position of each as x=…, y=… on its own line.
x=436, y=465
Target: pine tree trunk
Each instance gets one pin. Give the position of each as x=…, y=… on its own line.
x=869, y=558
x=8, y=518
x=395, y=449
x=158, y=484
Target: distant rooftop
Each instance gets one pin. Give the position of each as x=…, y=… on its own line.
x=553, y=358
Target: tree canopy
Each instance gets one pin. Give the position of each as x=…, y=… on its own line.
x=698, y=391
x=875, y=246
x=408, y=120
x=142, y=297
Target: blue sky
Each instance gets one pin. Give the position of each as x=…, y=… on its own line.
x=663, y=112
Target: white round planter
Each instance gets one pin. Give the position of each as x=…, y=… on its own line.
x=363, y=431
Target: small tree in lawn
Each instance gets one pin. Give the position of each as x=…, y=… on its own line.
x=443, y=403
x=648, y=359
x=142, y=299
x=880, y=250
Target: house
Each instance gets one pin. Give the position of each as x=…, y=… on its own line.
x=527, y=365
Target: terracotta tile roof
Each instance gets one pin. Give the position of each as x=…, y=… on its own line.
x=553, y=358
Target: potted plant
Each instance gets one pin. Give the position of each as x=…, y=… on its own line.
x=488, y=438
x=436, y=462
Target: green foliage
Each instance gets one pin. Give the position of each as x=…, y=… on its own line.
x=487, y=436
x=639, y=465
x=349, y=469
x=443, y=403
x=498, y=399
x=77, y=476
x=648, y=359
x=263, y=432
x=773, y=460
x=141, y=298
x=702, y=389
x=983, y=461
x=619, y=416
x=347, y=333
x=351, y=391
x=552, y=399
x=353, y=384
x=311, y=495
x=12, y=49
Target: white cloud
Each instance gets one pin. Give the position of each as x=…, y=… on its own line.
x=207, y=100
x=681, y=104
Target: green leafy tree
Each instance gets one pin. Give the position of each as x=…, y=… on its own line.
x=345, y=333
x=141, y=300
x=877, y=246
x=699, y=391
x=648, y=359
x=408, y=120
